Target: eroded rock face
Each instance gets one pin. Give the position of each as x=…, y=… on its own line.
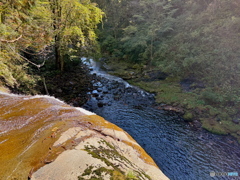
x=43, y=138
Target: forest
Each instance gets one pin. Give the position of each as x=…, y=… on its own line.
x=194, y=40
x=47, y=29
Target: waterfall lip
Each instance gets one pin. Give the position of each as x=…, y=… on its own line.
x=26, y=97
x=9, y=94
x=84, y=111
x=44, y=96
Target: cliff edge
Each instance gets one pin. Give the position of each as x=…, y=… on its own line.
x=43, y=138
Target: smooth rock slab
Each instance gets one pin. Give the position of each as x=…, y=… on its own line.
x=42, y=138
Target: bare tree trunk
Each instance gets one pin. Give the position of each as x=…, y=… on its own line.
x=57, y=13
x=57, y=52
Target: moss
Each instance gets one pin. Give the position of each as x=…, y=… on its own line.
x=99, y=173
x=230, y=126
x=131, y=176
x=188, y=116
x=117, y=175
x=213, y=111
x=88, y=171
x=213, y=126
x=106, y=153
x=236, y=136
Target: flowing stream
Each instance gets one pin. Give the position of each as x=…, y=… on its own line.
x=181, y=151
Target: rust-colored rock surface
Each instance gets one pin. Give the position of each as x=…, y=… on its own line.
x=43, y=138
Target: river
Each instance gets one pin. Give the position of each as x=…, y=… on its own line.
x=181, y=151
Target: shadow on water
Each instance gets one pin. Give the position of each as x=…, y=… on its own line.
x=180, y=152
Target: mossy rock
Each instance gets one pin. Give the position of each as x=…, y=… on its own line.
x=188, y=116
x=213, y=126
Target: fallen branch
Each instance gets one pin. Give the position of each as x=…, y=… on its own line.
x=37, y=65
x=11, y=41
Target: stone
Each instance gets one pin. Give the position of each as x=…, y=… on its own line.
x=236, y=121
x=99, y=89
x=61, y=142
x=238, y=133
x=95, y=93
x=105, y=90
x=100, y=104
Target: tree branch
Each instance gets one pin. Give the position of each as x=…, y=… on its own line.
x=37, y=65
x=11, y=41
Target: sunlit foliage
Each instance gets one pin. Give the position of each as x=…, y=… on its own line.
x=184, y=38
x=31, y=26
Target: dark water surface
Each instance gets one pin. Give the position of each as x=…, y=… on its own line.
x=181, y=152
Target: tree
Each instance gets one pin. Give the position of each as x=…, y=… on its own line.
x=134, y=27
x=18, y=31
x=73, y=23
x=149, y=21
x=33, y=25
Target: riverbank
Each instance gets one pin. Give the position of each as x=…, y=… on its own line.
x=189, y=97
x=188, y=152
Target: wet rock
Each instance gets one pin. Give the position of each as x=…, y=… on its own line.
x=105, y=90
x=99, y=89
x=236, y=121
x=156, y=75
x=116, y=92
x=171, y=108
x=197, y=124
x=188, y=116
x=101, y=104
x=117, y=97
x=95, y=93
x=190, y=84
x=97, y=84
x=69, y=146
x=238, y=133
x=99, y=98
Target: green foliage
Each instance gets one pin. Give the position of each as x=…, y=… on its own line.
x=16, y=35
x=180, y=37
x=138, y=28
x=29, y=27
x=73, y=25
x=211, y=97
x=131, y=176
x=188, y=116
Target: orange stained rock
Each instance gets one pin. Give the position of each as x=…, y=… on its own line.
x=29, y=126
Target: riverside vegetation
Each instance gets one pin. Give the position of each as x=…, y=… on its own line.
x=40, y=41
x=192, y=48
x=185, y=51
